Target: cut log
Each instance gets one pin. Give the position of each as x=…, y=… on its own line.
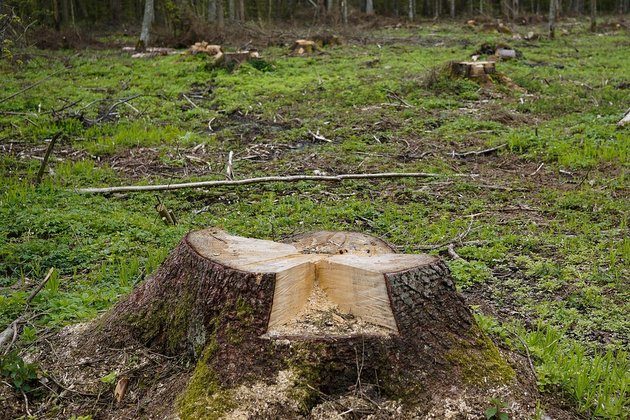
x=333, y=309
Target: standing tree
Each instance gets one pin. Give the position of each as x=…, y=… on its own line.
x=593, y=15
x=369, y=7
x=552, y=18
x=147, y=21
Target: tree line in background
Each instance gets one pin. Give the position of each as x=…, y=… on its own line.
x=178, y=15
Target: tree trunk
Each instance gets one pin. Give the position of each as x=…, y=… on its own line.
x=411, y=9
x=56, y=17
x=220, y=14
x=212, y=11
x=241, y=10
x=344, y=11
x=369, y=7
x=231, y=10
x=593, y=15
x=147, y=21
x=115, y=9
x=452, y=7
x=65, y=11
x=552, y=18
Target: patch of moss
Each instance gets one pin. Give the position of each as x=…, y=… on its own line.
x=204, y=397
x=307, y=374
x=167, y=320
x=481, y=362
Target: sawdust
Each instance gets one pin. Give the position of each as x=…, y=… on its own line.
x=265, y=400
x=321, y=317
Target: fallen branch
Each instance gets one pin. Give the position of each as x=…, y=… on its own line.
x=317, y=136
x=29, y=87
x=265, y=179
x=478, y=152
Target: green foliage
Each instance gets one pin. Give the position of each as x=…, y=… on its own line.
x=495, y=412
x=20, y=374
x=467, y=273
x=598, y=383
x=110, y=378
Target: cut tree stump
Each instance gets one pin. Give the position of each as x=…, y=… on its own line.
x=319, y=314
x=473, y=69
x=234, y=59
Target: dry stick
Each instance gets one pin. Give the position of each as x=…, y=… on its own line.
x=478, y=152
x=11, y=330
x=265, y=179
x=42, y=168
x=32, y=86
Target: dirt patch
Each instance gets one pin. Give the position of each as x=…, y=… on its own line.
x=78, y=379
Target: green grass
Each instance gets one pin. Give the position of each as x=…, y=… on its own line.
x=551, y=248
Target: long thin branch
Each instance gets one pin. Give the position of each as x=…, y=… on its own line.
x=33, y=85
x=265, y=179
x=478, y=152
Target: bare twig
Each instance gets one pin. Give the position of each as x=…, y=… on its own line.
x=537, y=170
x=318, y=136
x=29, y=87
x=451, y=251
x=529, y=358
x=229, y=169
x=114, y=106
x=266, y=179
x=478, y=152
x=190, y=101
x=49, y=149
x=11, y=331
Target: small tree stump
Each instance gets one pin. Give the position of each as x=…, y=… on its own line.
x=473, y=69
x=329, y=310
x=231, y=60
x=304, y=46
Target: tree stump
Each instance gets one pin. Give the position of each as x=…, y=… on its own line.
x=231, y=60
x=473, y=69
x=318, y=315
x=304, y=46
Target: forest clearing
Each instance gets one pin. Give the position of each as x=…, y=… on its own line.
x=176, y=223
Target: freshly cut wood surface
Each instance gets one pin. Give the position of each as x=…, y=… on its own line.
x=348, y=269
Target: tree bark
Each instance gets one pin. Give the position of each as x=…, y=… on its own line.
x=147, y=21
x=231, y=10
x=220, y=14
x=241, y=10
x=593, y=15
x=452, y=6
x=212, y=11
x=369, y=7
x=552, y=18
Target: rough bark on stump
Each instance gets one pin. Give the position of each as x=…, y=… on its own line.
x=219, y=313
